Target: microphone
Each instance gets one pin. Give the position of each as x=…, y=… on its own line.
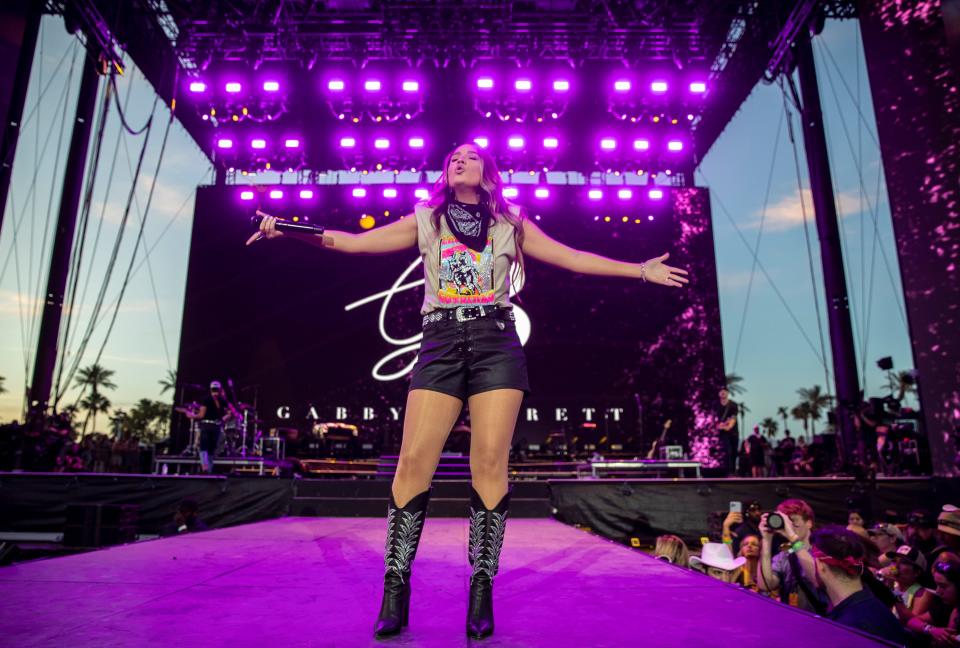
x=289, y=226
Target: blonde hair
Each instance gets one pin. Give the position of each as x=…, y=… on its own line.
x=491, y=195
x=674, y=549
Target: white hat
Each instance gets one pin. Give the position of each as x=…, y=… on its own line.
x=717, y=554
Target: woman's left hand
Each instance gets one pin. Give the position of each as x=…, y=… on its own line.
x=658, y=272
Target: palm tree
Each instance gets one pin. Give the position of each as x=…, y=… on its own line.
x=119, y=422
x=783, y=412
x=94, y=403
x=147, y=420
x=3, y=390
x=743, y=409
x=733, y=384
x=169, y=383
x=901, y=383
x=769, y=426
x=801, y=412
x=817, y=401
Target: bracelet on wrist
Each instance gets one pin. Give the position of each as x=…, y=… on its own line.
x=643, y=271
x=796, y=546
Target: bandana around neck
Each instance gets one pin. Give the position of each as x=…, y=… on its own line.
x=469, y=223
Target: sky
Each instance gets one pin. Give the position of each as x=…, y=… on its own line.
x=769, y=311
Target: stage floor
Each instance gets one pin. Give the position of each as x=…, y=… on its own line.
x=316, y=582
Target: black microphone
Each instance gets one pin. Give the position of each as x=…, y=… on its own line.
x=289, y=226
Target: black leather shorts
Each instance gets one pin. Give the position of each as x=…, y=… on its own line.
x=466, y=358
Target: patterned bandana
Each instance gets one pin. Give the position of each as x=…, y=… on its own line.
x=469, y=223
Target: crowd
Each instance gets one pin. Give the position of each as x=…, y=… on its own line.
x=895, y=579
x=57, y=447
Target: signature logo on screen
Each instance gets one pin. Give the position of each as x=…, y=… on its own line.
x=408, y=347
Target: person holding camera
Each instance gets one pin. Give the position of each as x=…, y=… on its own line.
x=781, y=572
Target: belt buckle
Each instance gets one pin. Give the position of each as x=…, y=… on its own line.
x=462, y=313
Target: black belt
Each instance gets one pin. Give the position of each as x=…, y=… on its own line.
x=468, y=313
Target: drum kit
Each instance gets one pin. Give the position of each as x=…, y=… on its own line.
x=240, y=433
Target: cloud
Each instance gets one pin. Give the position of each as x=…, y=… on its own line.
x=735, y=281
x=167, y=200
x=787, y=212
x=13, y=303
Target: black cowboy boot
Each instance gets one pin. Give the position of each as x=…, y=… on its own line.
x=486, y=541
x=404, y=526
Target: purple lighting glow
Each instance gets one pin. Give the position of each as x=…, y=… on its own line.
x=381, y=143
x=658, y=86
x=523, y=85
x=421, y=193
x=372, y=85
x=335, y=85
x=411, y=86
x=347, y=142
x=292, y=143
x=198, y=86
x=510, y=192
x=541, y=192
x=485, y=83
x=271, y=86
x=482, y=142
x=698, y=87
x=306, y=194
x=561, y=85
x=624, y=194
x=246, y=195
x=550, y=143
x=622, y=85
x=641, y=144
x=415, y=142
x=258, y=144
x=655, y=194
x=608, y=143
x=390, y=192
x=276, y=194
x=224, y=143
x=515, y=142
x=595, y=194
x=233, y=87
x=675, y=145
x=359, y=192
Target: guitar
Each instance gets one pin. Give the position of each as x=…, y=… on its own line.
x=656, y=444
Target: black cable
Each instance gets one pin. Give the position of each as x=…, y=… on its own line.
x=123, y=118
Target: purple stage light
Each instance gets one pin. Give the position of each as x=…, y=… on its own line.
x=347, y=142
x=411, y=86
x=233, y=87
x=372, y=85
x=624, y=194
x=523, y=85
x=541, y=192
x=421, y=193
x=658, y=86
x=415, y=142
x=198, y=86
x=359, y=192
x=550, y=142
x=608, y=144
x=225, y=143
x=510, y=192
x=381, y=143
x=650, y=217
x=482, y=142
x=335, y=85
x=674, y=145
x=291, y=143
x=655, y=194
x=641, y=144
x=271, y=86
x=276, y=194
x=561, y=85
x=622, y=85
x=306, y=194
x=246, y=195
x=595, y=194
x=390, y=192
x=515, y=142
x=698, y=87
x=485, y=83
x=258, y=143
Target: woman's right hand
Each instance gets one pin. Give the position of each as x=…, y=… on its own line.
x=268, y=228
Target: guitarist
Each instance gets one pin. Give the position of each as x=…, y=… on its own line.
x=728, y=431
x=659, y=441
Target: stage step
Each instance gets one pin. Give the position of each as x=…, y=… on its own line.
x=368, y=498
x=451, y=466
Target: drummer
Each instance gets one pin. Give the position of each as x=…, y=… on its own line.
x=213, y=413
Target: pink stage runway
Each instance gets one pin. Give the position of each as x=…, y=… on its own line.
x=316, y=582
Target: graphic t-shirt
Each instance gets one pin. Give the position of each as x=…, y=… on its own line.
x=456, y=274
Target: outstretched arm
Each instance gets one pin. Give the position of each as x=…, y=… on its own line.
x=539, y=246
x=397, y=236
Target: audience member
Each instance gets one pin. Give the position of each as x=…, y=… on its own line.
x=750, y=550
x=909, y=566
x=941, y=622
x=185, y=520
x=717, y=561
x=922, y=532
x=673, y=550
x=856, y=522
x=780, y=571
x=887, y=537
